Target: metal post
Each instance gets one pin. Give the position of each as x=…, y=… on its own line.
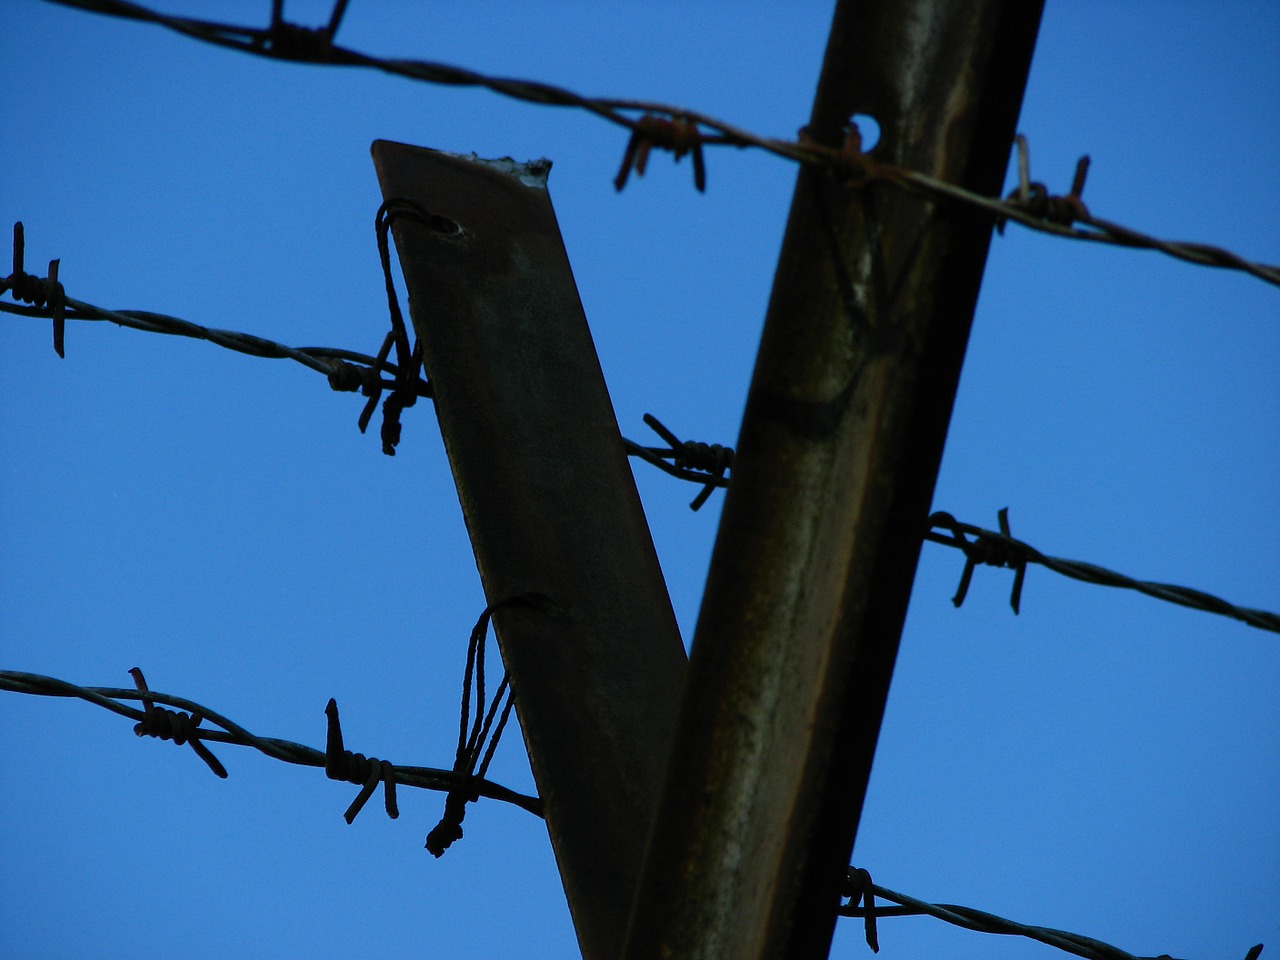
x=551, y=508
x=836, y=464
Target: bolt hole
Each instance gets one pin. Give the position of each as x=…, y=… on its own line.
x=868, y=130
x=442, y=224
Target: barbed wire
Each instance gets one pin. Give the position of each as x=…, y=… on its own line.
x=346, y=370
x=702, y=463
x=683, y=131
x=184, y=728
x=1000, y=549
x=861, y=894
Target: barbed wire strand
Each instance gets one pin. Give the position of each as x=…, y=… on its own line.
x=680, y=131
x=701, y=463
x=346, y=370
x=861, y=890
x=427, y=778
x=1000, y=549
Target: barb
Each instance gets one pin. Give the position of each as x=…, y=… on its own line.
x=341, y=764
x=44, y=294
x=679, y=135
x=699, y=462
x=672, y=127
x=427, y=778
x=171, y=725
x=1000, y=549
x=860, y=890
x=472, y=758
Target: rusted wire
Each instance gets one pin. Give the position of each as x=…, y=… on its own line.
x=655, y=124
x=861, y=893
x=427, y=778
x=1000, y=549
x=678, y=135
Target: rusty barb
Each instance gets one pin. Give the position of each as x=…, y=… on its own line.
x=678, y=134
x=1034, y=199
x=172, y=725
x=705, y=463
x=1000, y=549
x=861, y=893
x=44, y=293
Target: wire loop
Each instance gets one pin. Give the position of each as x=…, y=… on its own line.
x=471, y=761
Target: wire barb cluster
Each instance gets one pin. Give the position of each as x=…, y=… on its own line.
x=427, y=778
x=681, y=130
x=1034, y=199
x=1000, y=549
x=679, y=135
x=861, y=894
x=341, y=764
x=173, y=725
x=705, y=463
x=43, y=293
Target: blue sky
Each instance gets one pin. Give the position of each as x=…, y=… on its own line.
x=1103, y=763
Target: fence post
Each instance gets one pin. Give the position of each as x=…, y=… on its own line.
x=835, y=469
x=551, y=508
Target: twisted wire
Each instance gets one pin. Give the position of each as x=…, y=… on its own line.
x=704, y=463
x=861, y=894
x=1000, y=549
x=427, y=778
x=677, y=129
x=346, y=370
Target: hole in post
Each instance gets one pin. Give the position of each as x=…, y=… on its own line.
x=442, y=224
x=868, y=129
